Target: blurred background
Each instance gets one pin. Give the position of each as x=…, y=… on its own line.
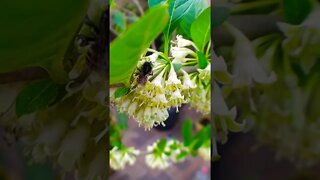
x=137, y=137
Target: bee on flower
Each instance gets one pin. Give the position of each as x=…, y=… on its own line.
x=161, y=82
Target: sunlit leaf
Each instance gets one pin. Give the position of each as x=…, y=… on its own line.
x=35, y=96
x=126, y=50
x=121, y=92
x=200, y=29
x=38, y=33
x=187, y=132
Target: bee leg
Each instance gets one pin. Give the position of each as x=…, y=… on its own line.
x=84, y=40
x=91, y=24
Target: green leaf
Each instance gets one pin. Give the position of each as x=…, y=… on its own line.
x=122, y=120
x=219, y=15
x=222, y=77
x=177, y=67
x=152, y=3
x=202, y=60
x=40, y=171
x=38, y=33
x=37, y=95
x=182, y=155
x=162, y=144
x=187, y=132
x=187, y=20
x=126, y=50
x=295, y=11
x=234, y=126
x=120, y=21
x=178, y=9
x=200, y=29
x=121, y=92
x=197, y=144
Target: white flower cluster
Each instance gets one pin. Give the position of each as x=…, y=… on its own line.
x=173, y=150
x=156, y=159
x=201, y=95
x=205, y=151
x=119, y=158
x=148, y=103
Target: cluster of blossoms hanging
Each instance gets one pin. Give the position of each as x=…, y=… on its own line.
x=174, y=81
x=159, y=155
x=119, y=158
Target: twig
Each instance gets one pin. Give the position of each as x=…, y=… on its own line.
x=139, y=7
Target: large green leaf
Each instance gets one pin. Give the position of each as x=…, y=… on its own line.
x=152, y=3
x=295, y=11
x=37, y=33
x=187, y=20
x=37, y=95
x=177, y=10
x=126, y=50
x=200, y=29
x=187, y=132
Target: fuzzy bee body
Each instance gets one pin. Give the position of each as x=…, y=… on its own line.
x=144, y=72
x=98, y=53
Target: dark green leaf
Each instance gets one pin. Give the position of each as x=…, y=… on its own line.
x=187, y=20
x=202, y=60
x=38, y=33
x=187, y=132
x=122, y=120
x=182, y=155
x=200, y=29
x=152, y=3
x=295, y=11
x=177, y=67
x=40, y=171
x=197, y=143
x=121, y=92
x=219, y=15
x=161, y=145
x=120, y=21
x=37, y=95
x=126, y=50
x=177, y=9
x=222, y=77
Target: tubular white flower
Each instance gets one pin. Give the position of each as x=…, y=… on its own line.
x=130, y=155
x=124, y=105
x=205, y=153
x=158, y=80
x=200, y=99
x=181, y=42
x=204, y=74
x=176, y=99
x=180, y=52
x=159, y=101
x=153, y=57
x=173, y=82
x=160, y=115
x=115, y=157
x=156, y=160
x=187, y=83
x=132, y=108
x=120, y=157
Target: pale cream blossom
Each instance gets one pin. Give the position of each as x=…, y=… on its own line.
x=119, y=158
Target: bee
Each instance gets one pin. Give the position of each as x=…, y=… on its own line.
x=144, y=72
x=98, y=53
